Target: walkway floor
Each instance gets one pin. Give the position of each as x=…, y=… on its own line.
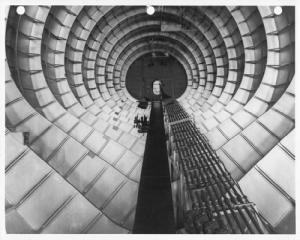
x=154, y=212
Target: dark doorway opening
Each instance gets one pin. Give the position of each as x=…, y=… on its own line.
x=151, y=67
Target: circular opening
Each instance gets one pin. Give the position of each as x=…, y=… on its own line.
x=150, y=76
x=150, y=10
x=278, y=10
x=20, y=10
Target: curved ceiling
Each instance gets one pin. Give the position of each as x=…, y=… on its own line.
x=66, y=85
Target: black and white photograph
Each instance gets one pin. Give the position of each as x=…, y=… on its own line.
x=148, y=119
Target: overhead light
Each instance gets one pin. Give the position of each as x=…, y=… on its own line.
x=20, y=10
x=150, y=10
x=277, y=10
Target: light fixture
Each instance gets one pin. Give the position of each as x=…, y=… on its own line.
x=277, y=10
x=150, y=10
x=20, y=10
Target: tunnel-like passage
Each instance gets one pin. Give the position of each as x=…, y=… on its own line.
x=77, y=77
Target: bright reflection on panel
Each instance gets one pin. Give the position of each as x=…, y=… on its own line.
x=150, y=10
x=278, y=10
x=20, y=10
